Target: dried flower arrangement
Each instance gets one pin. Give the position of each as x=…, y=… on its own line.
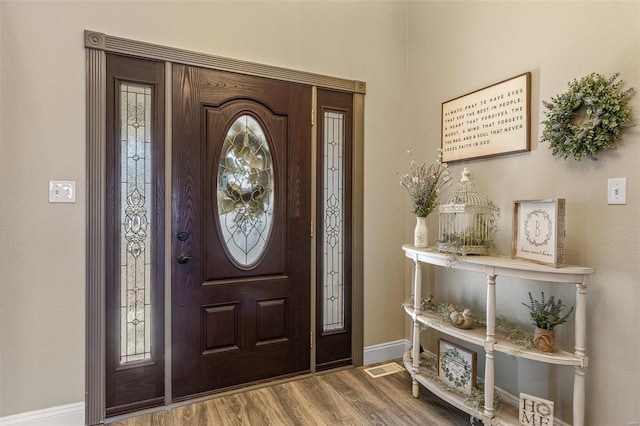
x=425, y=184
x=547, y=314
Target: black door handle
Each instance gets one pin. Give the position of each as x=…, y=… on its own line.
x=183, y=258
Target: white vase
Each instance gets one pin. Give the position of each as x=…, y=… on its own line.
x=421, y=234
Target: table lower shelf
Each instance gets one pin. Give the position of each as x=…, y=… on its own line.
x=506, y=414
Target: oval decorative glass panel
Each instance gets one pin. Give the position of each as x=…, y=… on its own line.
x=245, y=191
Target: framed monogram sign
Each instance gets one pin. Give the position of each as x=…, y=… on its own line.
x=538, y=231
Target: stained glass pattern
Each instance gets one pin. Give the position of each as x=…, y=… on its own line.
x=135, y=197
x=245, y=191
x=333, y=235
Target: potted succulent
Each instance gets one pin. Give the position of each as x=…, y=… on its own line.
x=545, y=315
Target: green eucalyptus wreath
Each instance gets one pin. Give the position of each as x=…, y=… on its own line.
x=587, y=118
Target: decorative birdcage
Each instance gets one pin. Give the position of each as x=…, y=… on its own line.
x=466, y=220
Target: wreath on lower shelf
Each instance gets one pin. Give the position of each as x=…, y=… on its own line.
x=455, y=368
x=587, y=118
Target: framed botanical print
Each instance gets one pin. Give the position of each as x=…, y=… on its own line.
x=538, y=231
x=457, y=366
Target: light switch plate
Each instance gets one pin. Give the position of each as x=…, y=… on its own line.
x=617, y=191
x=62, y=191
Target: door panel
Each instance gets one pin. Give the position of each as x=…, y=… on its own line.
x=234, y=323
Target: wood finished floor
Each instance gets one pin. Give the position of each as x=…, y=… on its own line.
x=348, y=397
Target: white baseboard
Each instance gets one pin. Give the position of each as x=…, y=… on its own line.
x=385, y=351
x=63, y=415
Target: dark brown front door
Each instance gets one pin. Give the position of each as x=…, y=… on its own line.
x=241, y=201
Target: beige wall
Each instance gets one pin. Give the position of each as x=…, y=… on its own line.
x=43, y=137
x=459, y=47
x=455, y=47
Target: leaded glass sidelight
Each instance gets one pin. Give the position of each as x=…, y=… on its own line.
x=245, y=191
x=135, y=220
x=333, y=235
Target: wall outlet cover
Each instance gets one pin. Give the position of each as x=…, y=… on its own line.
x=617, y=191
x=62, y=191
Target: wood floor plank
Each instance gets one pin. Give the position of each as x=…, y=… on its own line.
x=439, y=412
x=291, y=401
x=393, y=402
x=265, y=410
x=324, y=403
x=228, y=410
x=344, y=398
x=364, y=399
x=443, y=414
x=189, y=415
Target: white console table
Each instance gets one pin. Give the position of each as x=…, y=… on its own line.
x=491, y=340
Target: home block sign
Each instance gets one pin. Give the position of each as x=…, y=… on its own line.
x=535, y=411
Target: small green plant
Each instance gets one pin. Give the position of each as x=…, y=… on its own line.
x=547, y=314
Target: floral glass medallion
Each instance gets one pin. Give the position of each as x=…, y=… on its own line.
x=245, y=192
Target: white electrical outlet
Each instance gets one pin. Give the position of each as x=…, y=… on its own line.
x=62, y=191
x=617, y=191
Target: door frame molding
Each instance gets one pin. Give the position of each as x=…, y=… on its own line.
x=97, y=44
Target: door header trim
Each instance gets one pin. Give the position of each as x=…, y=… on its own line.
x=108, y=43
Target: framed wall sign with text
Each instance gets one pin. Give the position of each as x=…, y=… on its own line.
x=538, y=231
x=488, y=122
x=457, y=366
